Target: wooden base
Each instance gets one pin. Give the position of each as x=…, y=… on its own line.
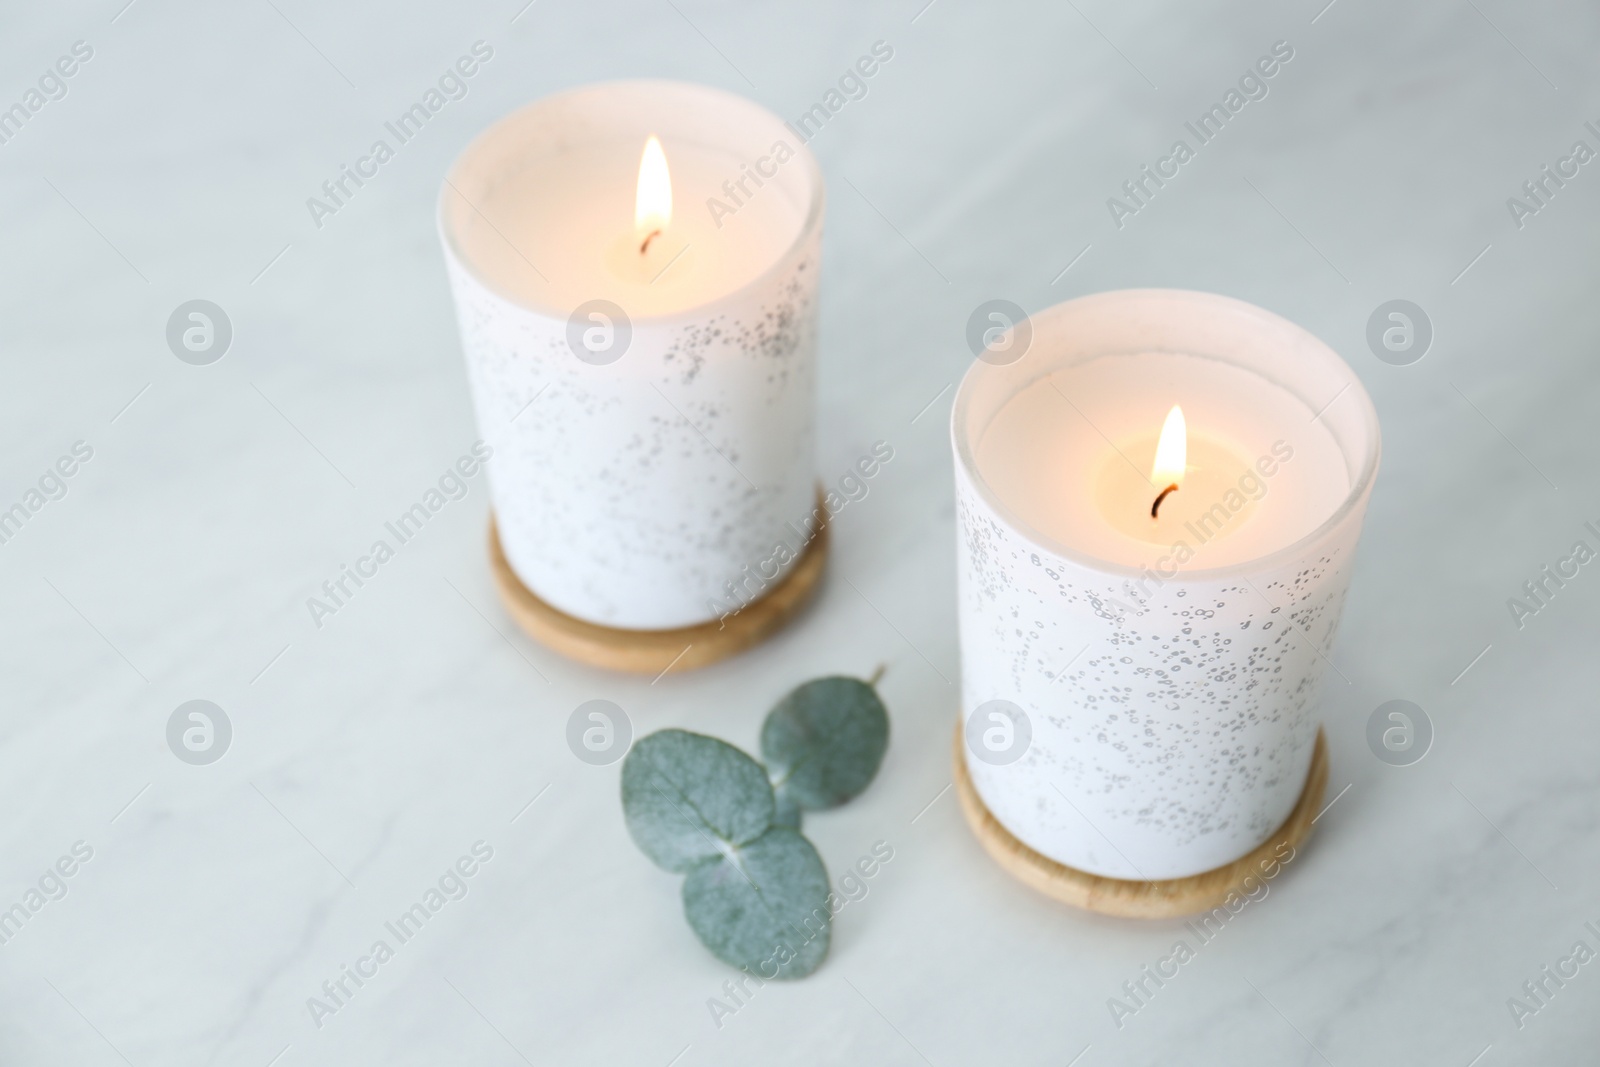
x=658, y=651
x=1165, y=899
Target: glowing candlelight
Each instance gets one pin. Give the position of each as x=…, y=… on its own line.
x=652, y=202
x=1172, y=452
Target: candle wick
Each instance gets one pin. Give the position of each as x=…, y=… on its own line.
x=645, y=246
x=1173, y=488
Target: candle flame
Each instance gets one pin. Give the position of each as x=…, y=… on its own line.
x=1172, y=451
x=652, y=205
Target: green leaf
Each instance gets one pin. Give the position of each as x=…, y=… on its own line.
x=786, y=812
x=824, y=742
x=688, y=798
x=764, y=907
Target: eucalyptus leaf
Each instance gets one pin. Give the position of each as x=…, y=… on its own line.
x=688, y=798
x=786, y=812
x=764, y=906
x=823, y=742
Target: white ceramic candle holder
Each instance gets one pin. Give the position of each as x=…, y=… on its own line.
x=1129, y=725
x=652, y=421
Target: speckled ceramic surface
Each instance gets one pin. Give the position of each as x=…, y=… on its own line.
x=648, y=493
x=1153, y=722
x=1164, y=898
x=1180, y=735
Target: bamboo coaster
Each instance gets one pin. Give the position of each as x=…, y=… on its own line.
x=1165, y=899
x=658, y=651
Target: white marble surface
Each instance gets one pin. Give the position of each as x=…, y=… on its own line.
x=371, y=753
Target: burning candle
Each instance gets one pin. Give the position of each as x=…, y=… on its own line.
x=1172, y=460
x=1158, y=505
x=643, y=367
